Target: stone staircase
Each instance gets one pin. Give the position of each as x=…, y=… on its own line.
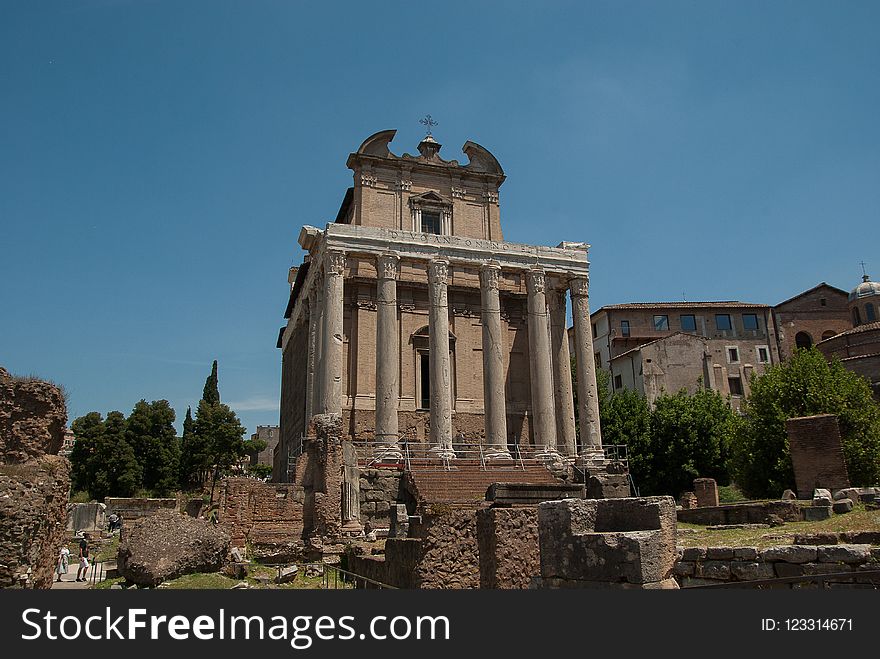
x=466, y=481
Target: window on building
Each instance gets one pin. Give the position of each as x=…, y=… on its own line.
x=424, y=381
x=722, y=321
x=736, y=386
x=870, y=315
x=857, y=319
x=595, y=331
x=624, y=328
x=733, y=354
x=661, y=323
x=688, y=323
x=803, y=340
x=763, y=355
x=430, y=222
x=827, y=334
x=618, y=382
x=597, y=359
x=822, y=302
x=750, y=321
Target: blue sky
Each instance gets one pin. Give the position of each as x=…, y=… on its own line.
x=158, y=158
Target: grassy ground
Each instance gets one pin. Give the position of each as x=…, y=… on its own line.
x=216, y=581
x=698, y=536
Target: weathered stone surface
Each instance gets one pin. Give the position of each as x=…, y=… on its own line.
x=287, y=574
x=688, y=501
x=816, y=454
x=743, y=513
x=842, y=506
x=86, y=517
x=816, y=539
x=532, y=493
x=167, y=545
x=822, y=493
x=614, y=540
x=860, y=537
x=608, y=486
x=816, y=513
x=789, y=554
x=683, y=568
x=706, y=491
x=33, y=415
x=693, y=553
x=844, y=553
x=33, y=517
x=508, y=546
x=719, y=553
x=784, y=569
x=746, y=553
x=788, y=495
x=713, y=570
x=751, y=570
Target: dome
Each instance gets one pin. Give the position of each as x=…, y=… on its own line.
x=867, y=288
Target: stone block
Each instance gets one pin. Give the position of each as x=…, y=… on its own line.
x=816, y=513
x=860, y=537
x=693, y=553
x=706, y=491
x=720, y=553
x=822, y=493
x=816, y=454
x=502, y=494
x=789, y=554
x=628, y=540
x=784, y=570
x=842, y=506
x=713, y=570
x=751, y=570
x=608, y=486
x=844, y=553
x=816, y=539
x=788, y=495
x=746, y=553
x=683, y=568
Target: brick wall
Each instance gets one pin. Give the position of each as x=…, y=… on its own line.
x=706, y=491
x=816, y=454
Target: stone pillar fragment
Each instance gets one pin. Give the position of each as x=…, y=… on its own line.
x=387, y=358
x=566, y=437
x=313, y=356
x=588, y=399
x=332, y=335
x=494, y=407
x=541, y=369
x=441, y=378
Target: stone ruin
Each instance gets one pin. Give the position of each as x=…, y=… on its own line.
x=816, y=454
x=34, y=480
x=607, y=543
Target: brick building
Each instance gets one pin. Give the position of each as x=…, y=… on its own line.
x=270, y=435
x=810, y=317
x=413, y=318
x=669, y=346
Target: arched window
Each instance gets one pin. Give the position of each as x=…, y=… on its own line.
x=870, y=315
x=857, y=319
x=803, y=340
x=827, y=334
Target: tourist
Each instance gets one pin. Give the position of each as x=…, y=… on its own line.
x=63, y=561
x=83, y=558
x=113, y=522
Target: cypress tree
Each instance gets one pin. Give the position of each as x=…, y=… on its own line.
x=211, y=393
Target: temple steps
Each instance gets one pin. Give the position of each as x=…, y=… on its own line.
x=467, y=481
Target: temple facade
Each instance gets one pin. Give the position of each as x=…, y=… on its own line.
x=429, y=334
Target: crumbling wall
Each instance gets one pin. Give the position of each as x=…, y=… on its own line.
x=132, y=508
x=508, y=546
x=379, y=490
x=265, y=518
x=743, y=513
x=816, y=454
x=34, y=482
x=702, y=566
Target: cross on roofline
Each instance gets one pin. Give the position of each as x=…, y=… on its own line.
x=428, y=123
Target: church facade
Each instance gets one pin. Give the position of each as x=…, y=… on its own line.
x=413, y=319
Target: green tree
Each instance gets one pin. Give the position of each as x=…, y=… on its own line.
x=803, y=386
x=116, y=468
x=87, y=429
x=211, y=392
x=150, y=431
x=194, y=458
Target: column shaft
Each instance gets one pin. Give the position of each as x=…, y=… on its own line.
x=313, y=345
x=387, y=357
x=494, y=406
x=541, y=369
x=441, y=380
x=332, y=339
x=566, y=436
x=588, y=399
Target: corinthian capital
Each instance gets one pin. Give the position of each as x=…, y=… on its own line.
x=580, y=287
x=438, y=271
x=490, y=274
x=536, y=280
x=389, y=265
x=335, y=264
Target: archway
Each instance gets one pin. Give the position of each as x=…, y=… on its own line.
x=803, y=340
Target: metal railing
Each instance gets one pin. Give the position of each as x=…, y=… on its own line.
x=335, y=578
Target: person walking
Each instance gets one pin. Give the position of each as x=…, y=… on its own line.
x=83, y=558
x=63, y=562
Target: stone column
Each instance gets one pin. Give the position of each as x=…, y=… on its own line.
x=332, y=336
x=387, y=358
x=541, y=369
x=588, y=399
x=441, y=389
x=313, y=357
x=494, y=408
x=566, y=437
